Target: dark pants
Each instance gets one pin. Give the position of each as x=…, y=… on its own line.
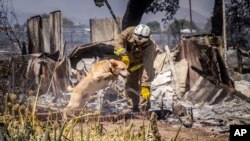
x=135, y=101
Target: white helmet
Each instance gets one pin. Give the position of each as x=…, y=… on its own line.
x=141, y=33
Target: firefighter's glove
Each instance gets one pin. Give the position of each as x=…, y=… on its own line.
x=145, y=92
x=125, y=60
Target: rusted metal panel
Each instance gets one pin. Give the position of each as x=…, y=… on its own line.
x=103, y=29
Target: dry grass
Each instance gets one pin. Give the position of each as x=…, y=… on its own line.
x=26, y=127
x=20, y=123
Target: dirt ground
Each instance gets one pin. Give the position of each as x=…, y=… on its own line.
x=189, y=134
x=167, y=133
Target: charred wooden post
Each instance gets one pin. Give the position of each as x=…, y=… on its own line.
x=46, y=35
x=56, y=30
x=35, y=35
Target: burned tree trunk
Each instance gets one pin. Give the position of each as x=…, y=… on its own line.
x=134, y=12
x=217, y=18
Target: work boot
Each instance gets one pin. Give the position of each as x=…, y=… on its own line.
x=144, y=105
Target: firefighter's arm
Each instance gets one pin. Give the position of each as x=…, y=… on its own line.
x=146, y=82
x=148, y=74
x=119, y=44
x=119, y=49
x=120, y=41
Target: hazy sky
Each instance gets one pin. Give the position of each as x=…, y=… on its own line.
x=80, y=11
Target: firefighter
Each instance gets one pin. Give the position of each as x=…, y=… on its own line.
x=137, y=50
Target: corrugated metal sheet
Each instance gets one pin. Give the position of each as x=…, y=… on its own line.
x=96, y=50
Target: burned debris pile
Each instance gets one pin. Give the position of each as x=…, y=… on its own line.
x=210, y=87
